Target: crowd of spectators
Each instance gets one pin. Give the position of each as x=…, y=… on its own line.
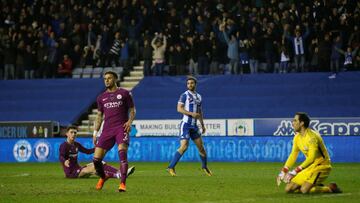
x=49, y=38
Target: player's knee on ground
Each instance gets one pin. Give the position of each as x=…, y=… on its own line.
x=304, y=190
x=290, y=188
x=306, y=187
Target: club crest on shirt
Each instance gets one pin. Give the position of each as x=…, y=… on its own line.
x=119, y=96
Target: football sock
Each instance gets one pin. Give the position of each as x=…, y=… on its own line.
x=203, y=161
x=320, y=189
x=123, y=165
x=111, y=171
x=175, y=159
x=99, y=167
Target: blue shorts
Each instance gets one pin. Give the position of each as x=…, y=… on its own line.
x=188, y=131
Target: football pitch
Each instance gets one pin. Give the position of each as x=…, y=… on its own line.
x=232, y=182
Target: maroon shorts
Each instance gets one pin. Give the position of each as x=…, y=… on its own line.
x=108, y=138
x=74, y=173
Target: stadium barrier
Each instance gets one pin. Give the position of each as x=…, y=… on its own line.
x=161, y=149
x=249, y=127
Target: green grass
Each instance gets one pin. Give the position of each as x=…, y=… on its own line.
x=232, y=182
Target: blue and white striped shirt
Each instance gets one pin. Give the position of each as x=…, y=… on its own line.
x=192, y=103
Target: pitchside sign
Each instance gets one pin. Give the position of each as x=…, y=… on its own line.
x=140, y=128
x=325, y=126
x=236, y=149
x=249, y=127
x=23, y=129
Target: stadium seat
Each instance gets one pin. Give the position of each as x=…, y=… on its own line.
x=106, y=69
x=76, y=73
x=97, y=72
x=119, y=70
x=87, y=72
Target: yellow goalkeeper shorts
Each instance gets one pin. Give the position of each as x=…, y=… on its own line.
x=314, y=174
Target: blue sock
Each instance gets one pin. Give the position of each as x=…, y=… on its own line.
x=203, y=161
x=175, y=159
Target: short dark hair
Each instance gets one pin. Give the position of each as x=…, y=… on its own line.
x=112, y=73
x=71, y=127
x=191, y=78
x=304, y=118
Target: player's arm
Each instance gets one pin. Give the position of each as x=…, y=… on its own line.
x=313, y=150
x=132, y=113
x=84, y=149
x=62, y=155
x=201, y=120
x=293, y=155
x=181, y=109
x=289, y=163
x=98, y=121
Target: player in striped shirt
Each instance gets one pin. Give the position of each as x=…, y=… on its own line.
x=189, y=105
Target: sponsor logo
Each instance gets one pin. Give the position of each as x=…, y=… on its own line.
x=241, y=127
x=22, y=151
x=285, y=128
x=119, y=96
x=113, y=104
x=41, y=150
x=324, y=128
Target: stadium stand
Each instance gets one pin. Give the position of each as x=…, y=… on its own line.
x=253, y=96
x=62, y=100
x=300, y=36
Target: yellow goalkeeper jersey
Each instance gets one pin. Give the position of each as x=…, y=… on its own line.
x=312, y=146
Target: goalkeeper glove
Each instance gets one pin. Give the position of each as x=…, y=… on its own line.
x=289, y=176
x=281, y=175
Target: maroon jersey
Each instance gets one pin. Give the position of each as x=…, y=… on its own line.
x=115, y=107
x=70, y=151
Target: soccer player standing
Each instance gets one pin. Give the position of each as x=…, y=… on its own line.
x=68, y=156
x=117, y=107
x=310, y=174
x=189, y=105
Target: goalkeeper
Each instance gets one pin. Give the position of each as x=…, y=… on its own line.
x=310, y=174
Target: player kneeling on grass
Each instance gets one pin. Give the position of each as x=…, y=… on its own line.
x=69, y=154
x=309, y=175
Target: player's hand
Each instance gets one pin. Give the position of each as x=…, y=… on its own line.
x=195, y=115
x=67, y=163
x=95, y=137
x=94, y=140
x=203, y=129
x=280, y=178
x=127, y=126
x=281, y=175
x=289, y=176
